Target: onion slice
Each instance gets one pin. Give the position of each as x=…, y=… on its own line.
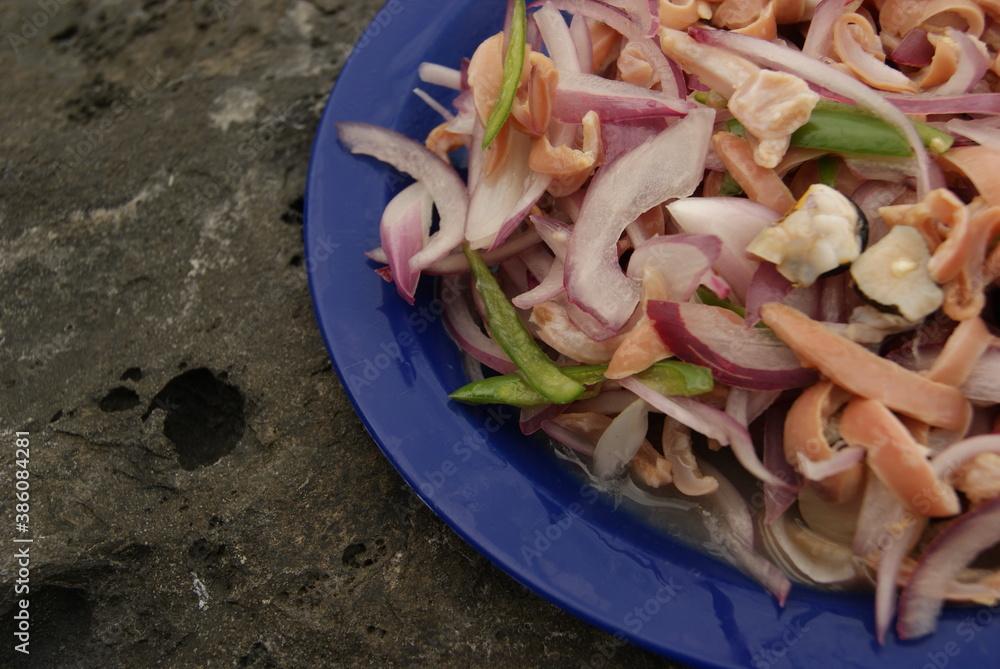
x=736, y=221
x=950, y=552
x=613, y=101
x=669, y=166
x=810, y=69
x=555, y=33
x=842, y=461
x=739, y=356
x=462, y=327
x=441, y=181
x=777, y=499
x=621, y=441
x=405, y=225
x=710, y=422
x=972, y=65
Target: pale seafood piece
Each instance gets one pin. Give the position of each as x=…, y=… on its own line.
x=642, y=346
x=858, y=370
x=979, y=479
x=761, y=184
x=648, y=466
x=943, y=63
x=858, y=47
x=806, y=429
x=771, y=106
x=570, y=168
x=897, y=459
x=442, y=140
x=680, y=14
x=899, y=17
x=605, y=44
x=717, y=68
x=634, y=68
x=687, y=475
x=553, y=325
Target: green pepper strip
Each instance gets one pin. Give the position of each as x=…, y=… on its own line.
x=829, y=167
x=537, y=370
x=729, y=187
x=708, y=296
x=850, y=130
x=512, y=66
x=669, y=378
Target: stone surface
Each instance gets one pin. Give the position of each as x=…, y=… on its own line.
x=202, y=493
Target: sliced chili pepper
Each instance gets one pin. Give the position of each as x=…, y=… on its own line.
x=671, y=377
x=537, y=370
x=849, y=130
x=512, y=66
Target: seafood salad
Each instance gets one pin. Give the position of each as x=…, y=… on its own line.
x=755, y=233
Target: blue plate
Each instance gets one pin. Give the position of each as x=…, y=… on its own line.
x=505, y=495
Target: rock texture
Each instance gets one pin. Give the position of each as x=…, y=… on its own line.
x=202, y=493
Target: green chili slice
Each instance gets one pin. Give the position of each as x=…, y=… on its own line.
x=536, y=369
x=669, y=378
x=852, y=131
x=512, y=66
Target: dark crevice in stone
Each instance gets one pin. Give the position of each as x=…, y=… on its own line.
x=205, y=416
x=119, y=399
x=132, y=374
x=293, y=215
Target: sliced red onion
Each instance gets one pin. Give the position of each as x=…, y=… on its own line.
x=532, y=417
x=434, y=104
x=592, y=327
x=639, y=12
x=621, y=441
x=614, y=101
x=948, y=461
x=983, y=384
x=620, y=138
x=951, y=551
x=972, y=65
x=833, y=307
x=502, y=199
x=441, y=181
x=736, y=221
x=465, y=331
x=844, y=459
x=608, y=403
x=767, y=285
x=820, y=34
x=710, y=422
x=914, y=50
x=439, y=75
x=872, y=196
x=829, y=77
x=473, y=368
x=900, y=541
x=682, y=260
x=970, y=103
x=568, y=438
x=550, y=288
x=687, y=474
x=580, y=32
x=554, y=233
x=880, y=510
x=406, y=222
x=669, y=166
x=457, y=263
x=739, y=356
x=760, y=402
x=558, y=40
x=777, y=499
x=985, y=132
x=740, y=539
x=715, y=283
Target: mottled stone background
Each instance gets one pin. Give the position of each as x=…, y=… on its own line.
x=202, y=493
